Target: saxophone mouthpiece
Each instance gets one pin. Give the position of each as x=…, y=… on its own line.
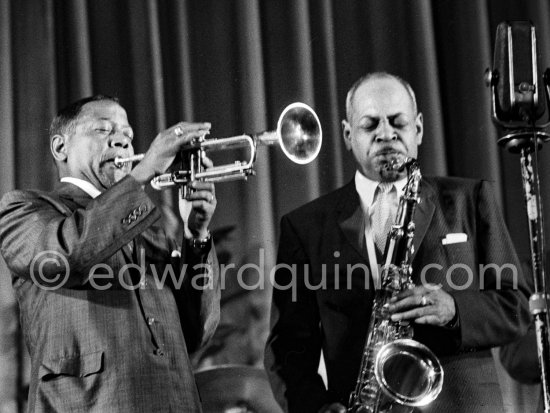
x=398, y=163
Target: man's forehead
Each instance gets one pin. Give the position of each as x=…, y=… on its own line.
x=386, y=93
x=104, y=109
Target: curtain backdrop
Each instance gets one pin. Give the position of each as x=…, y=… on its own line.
x=237, y=64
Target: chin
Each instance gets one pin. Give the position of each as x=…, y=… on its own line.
x=108, y=181
x=119, y=175
x=391, y=176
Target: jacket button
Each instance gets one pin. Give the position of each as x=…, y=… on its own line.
x=150, y=320
x=158, y=352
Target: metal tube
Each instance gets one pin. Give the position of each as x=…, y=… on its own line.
x=538, y=302
x=119, y=162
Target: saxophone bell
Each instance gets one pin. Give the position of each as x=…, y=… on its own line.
x=408, y=372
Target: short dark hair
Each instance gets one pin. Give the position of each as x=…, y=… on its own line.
x=64, y=122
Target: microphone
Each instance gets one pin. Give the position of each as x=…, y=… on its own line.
x=519, y=89
x=519, y=102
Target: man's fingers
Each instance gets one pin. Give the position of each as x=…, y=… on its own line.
x=404, y=304
x=183, y=128
x=428, y=319
x=202, y=205
x=412, y=314
x=195, y=133
x=333, y=408
x=207, y=162
x=206, y=186
x=205, y=196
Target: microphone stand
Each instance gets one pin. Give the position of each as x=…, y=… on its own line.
x=525, y=136
x=538, y=303
x=527, y=141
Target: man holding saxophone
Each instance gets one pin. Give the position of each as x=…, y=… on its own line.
x=469, y=294
x=110, y=306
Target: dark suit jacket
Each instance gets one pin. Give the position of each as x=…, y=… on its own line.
x=326, y=236
x=101, y=345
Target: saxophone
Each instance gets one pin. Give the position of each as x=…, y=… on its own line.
x=395, y=369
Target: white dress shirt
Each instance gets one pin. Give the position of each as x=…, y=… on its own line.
x=82, y=184
x=366, y=188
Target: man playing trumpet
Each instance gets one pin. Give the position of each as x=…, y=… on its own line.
x=104, y=330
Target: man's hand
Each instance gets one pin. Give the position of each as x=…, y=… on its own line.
x=164, y=149
x=427, y=304
x=197, y=209
x=333, y=408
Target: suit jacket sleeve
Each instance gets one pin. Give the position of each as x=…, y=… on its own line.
x=520, y=358
x=199, y=296
x=38, y=232
x=497, y=312
x=294, y=346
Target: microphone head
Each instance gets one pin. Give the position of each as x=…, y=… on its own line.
x=519, y=85
x=519, y=89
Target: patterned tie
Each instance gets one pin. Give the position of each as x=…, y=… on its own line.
x=384, y=213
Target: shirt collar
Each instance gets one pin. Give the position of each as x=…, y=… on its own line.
x=366, y=188
x=82, y=184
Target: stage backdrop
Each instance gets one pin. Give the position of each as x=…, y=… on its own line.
x=237, y=64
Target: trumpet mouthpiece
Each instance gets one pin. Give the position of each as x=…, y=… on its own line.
x=120, y=162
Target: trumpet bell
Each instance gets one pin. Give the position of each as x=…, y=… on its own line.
x=408, y=372
x=300, y=134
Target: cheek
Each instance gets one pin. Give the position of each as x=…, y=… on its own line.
x=412, y=145
x=361, y=147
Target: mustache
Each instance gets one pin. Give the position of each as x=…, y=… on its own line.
x=389, y=150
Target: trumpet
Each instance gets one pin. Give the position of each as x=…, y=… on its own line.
x=298, y=133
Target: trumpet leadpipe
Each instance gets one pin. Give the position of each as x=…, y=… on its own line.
x=119, y=162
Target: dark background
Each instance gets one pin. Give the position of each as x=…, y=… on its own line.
x=237, y=64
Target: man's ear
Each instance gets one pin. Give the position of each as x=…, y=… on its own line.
x=58, y=147
x=419, y=124
x=346, y=134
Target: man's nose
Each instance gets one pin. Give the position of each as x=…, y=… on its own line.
x=119, y=140
x=385, y=131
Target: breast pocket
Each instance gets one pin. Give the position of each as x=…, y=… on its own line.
x=460, y=252
x=461, y=272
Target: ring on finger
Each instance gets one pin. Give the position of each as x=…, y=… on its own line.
x=424, y=301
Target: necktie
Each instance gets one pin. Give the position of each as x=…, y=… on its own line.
x=384, y=213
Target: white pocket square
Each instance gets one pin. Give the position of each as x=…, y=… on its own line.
x=454, y=238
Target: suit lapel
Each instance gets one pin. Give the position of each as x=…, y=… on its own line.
x=74, y=197
x=423, y=214
x=351, y=218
